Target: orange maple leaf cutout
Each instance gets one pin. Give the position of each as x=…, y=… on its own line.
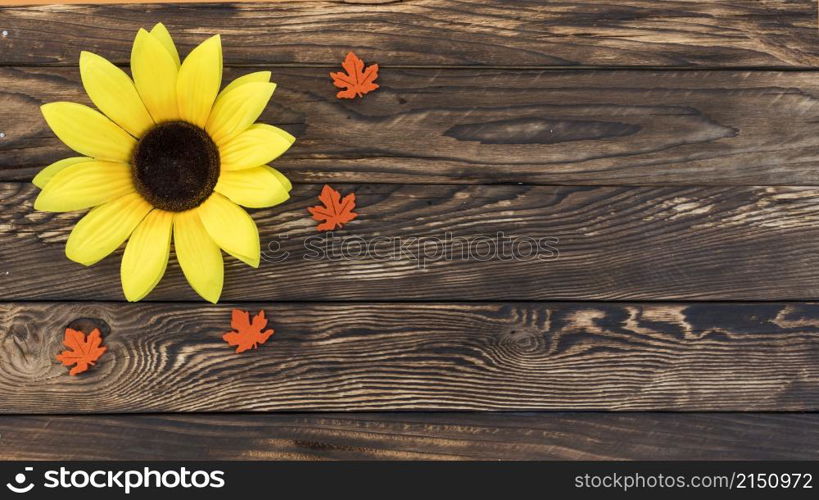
x=335, y=212
x=82, y=351
x=248, y=334
x=358, y=80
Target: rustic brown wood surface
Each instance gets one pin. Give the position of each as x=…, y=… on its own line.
x=490, y=126
x=413, y=436
x=435, y=356
x=670, y=147
x=688, y=33
x=435, y=242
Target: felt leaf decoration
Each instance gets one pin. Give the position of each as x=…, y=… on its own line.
x=82, y=351
x=356, y=79
x=247, y=334
x=336, y=211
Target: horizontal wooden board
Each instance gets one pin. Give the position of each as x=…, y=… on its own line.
x=413, y=436
x=490, y=126
x=25, y=3
x=688, y=33
x=446, y=242
x=434, y=356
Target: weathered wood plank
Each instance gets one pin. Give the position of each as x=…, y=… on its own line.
x=414, y=436
x=467, y=126
x=435, y=356
x=439, y=32
x=442, y=242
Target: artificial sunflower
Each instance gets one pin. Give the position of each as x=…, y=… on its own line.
x=166, y=156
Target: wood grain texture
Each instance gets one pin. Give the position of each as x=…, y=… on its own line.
x=472, y=93
x=26, y=3
x=689, y=33
x=468, y=126
x=413, y=436
x=441, y=242
x=434, y=356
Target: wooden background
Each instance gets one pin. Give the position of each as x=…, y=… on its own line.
x=671, y=147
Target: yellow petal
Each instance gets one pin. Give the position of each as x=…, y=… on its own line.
x=259, y=76
x=155, y=71
x=146, y=255
x=198, y=255
x=237, y=110
x=231, y=228
x=113, y=93
x=160, y=32
x=199, y=79
x=85, y=185
x=88, y=132
x=104, y=229
x=45, y=175
x=253, y=187
x=259, y=144
x=283, y=179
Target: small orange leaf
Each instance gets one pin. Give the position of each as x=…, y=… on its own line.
x=248, y=334
x=358, y=80
x=81, y=351
x=335, y=211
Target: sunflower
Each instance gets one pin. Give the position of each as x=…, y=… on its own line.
x=167, y=156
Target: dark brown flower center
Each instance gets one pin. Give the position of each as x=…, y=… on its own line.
x=176, y=166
